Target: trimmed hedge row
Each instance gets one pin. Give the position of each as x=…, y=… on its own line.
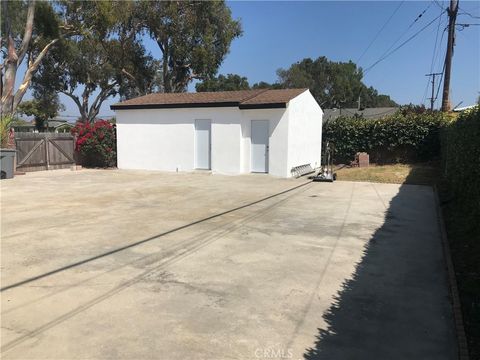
x=461, y=164
x=461, y=174
x=402, y=137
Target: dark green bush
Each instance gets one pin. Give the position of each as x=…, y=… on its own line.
x=461, y=174
x=402, y=137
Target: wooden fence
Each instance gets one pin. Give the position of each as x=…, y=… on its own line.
x=44, y=151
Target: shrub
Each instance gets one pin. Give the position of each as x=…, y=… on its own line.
x=96, y=143
x=5, y=126
x=406, y=136
x=461, y=170
x=461, y=173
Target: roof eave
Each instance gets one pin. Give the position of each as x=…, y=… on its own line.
x=280, y=105
x=198, y=105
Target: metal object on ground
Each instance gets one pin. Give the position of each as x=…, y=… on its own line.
x=301, y=170
x=326, y=172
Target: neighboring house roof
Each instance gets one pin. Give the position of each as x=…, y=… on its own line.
x=55, y=123
x=460, y=109
x=244, y=99
x=368, y=113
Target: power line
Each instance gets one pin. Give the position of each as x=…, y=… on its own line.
x=439, y=5
x=467, y=13
x=380, y=31
x=433, y=59
x=440, y=82
x=408, y=28
x=401, y=45
x=436, y=41
x=437, y=57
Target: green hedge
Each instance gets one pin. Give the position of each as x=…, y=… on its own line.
x=461, y=164
x=402, y=137
x=461, y=174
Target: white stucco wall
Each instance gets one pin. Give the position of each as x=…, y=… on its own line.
x=164, y=139
x=304, y=131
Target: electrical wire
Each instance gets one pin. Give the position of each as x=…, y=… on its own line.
x=463, y=12
x=440, y=83
x=408, y=28
x=401, y=45
x=380, y=31
x=439, y=5
x=434, y=53
x=436, y=41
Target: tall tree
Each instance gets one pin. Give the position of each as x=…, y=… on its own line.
x=29, y=30
x=193, y=36
x=333, y=84
x=230, y=82
x=106, y=59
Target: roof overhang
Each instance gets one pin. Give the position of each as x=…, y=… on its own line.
x=199, y=105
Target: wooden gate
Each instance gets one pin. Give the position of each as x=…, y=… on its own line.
x=44, y=151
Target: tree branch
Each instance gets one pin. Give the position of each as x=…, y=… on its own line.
x=95, y=108
x=28, y=32
x=75, y=98
x=32, y=68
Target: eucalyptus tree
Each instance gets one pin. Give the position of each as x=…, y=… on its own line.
x=29, y=31
x=107, y=58
x=229, y=82
x=193, y=36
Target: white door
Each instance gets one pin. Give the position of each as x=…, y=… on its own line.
x=259, y=148
x=202, y=144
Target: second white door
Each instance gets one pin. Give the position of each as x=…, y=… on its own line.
x=259, y=147
x=202, y=144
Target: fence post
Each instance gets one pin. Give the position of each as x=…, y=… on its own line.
x=47, y=156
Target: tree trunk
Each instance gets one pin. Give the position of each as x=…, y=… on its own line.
x=10, y=67
x=88, y=113
x=27, y=79
x=14, y=59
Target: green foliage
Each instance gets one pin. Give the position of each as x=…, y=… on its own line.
x=461, y=168
x=461, y=173
x=333, y=84
x=96, y=143
x=104, y=59
x=230, y=82
x=402, y=137
x=44, y=106
x=266, y=85
x=193, y=36
x=6, y=122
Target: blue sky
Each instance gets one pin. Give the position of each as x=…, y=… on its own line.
x=277, y=34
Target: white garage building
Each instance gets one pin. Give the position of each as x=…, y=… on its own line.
x=230, y=132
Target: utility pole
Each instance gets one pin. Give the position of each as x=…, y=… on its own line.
x=432, y=99
x=452, y=14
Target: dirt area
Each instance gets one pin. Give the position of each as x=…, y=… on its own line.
x=418, y=174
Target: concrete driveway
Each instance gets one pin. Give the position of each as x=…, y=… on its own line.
x=143, y=265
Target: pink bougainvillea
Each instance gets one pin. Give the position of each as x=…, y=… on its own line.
x=96, y=143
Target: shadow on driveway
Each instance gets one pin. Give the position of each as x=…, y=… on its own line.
x=396, y=305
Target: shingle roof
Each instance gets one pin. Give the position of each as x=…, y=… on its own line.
x=368, y=113
x=244, y=99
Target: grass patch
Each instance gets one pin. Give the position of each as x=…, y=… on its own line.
x=419, y=174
